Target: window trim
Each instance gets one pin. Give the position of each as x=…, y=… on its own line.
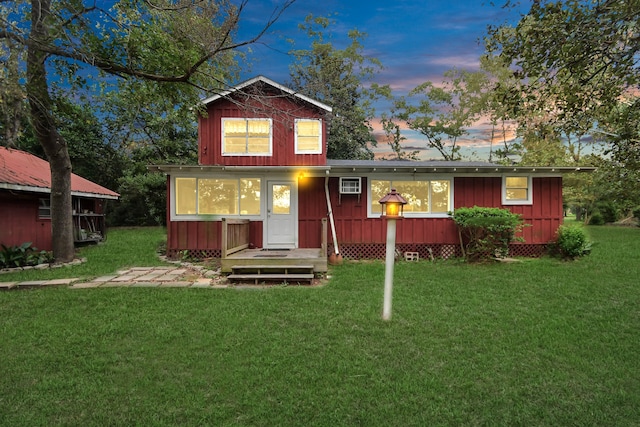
x=213, y=217
x=377, y=214
x=503, y=191
x=246, y=154
x=297, y=150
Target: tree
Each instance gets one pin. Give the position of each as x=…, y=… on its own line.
x=442, y=113
x=181, y=45
x=336, y=77
x=12, y=99
x=574, y=62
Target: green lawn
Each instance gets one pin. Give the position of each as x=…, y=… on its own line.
x=541, y=342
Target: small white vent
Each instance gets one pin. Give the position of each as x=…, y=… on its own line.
x=350, y=185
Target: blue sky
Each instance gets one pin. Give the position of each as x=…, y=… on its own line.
x=415, y=40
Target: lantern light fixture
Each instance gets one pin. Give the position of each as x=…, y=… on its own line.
x=392, y=205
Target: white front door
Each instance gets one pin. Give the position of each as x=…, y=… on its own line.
x=281, y=225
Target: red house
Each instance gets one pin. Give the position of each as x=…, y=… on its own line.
x=25, y=209
x=263, y=164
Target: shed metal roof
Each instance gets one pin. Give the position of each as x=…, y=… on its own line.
x=22, y=171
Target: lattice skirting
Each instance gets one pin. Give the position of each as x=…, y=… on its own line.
x=378, y=251
x=430, y=251
x=194, y=253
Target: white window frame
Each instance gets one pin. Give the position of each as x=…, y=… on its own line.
x=300, y=151
x=246, y=154
x=512, y=202
x=214, y=217
x=378, y=213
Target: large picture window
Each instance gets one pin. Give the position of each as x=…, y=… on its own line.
x=246, y=137
x=308, y=136
x=516, y=190
x=217, y=196
x=424, y=197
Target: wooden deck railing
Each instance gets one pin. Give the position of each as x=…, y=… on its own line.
x=235, y=235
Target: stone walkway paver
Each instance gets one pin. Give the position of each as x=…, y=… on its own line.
x=165, y=277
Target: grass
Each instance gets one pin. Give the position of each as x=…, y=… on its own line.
x=541, y=342
x=124, y=247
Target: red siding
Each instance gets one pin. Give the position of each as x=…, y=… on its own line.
x=354, y=228
x=19, y=222
x=544, y=216
x=283, y=150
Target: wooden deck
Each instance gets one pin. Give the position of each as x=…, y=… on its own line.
x=315, y=257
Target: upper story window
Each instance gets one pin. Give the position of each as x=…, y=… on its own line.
x=424, y=197
x=308, y=136
x=246, y=137
x=516, y=190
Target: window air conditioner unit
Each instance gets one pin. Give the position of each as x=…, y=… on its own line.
x=350, y=185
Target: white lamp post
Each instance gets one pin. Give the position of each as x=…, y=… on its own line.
x=392, y=208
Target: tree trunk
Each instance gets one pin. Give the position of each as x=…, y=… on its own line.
x=51, y=141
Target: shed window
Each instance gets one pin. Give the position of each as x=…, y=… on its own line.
x=308, y=136
x=424, y=197
x=246, y=137
x=44, y=208
x=516, y=190
x=217, y=196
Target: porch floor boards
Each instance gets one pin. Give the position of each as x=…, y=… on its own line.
x=289, y=258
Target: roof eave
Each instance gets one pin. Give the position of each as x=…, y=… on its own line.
x=285, y=89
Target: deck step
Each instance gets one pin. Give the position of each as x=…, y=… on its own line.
x=271, y=267
x=281, y=277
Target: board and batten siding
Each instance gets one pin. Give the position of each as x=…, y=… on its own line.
x=283, y=134
x=19, y=222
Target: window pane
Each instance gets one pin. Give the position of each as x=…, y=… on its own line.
x=258, y=127
x=250, y=196
x=379, y=189
x=516, y=194
x=44, y=210
x=416, y=193
x=235, y=145
x=308, y=143
x=281, y=199
x=440, y=196
x=235, y=127
x=517, y=188
x=258, y=146
x=185, y=196
x=517, y=182
x=308, y=127
x=218, y=196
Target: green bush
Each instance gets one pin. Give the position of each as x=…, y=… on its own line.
x=23, y=255
x=596, y=218
x=486, y=232
x=572, y=242
x=636, y=213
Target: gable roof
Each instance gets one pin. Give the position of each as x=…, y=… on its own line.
x=22, y=171
x=269, y=82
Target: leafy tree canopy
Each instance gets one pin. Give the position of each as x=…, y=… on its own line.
x=338, y=77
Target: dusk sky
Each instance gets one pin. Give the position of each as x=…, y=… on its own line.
x=415, y=40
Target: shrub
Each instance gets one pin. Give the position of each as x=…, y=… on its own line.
x=23, y=255
x=596, y=218
x=636, y=213
x=486, y=232
x=572, y=242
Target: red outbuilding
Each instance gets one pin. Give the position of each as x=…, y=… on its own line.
x=25, y=208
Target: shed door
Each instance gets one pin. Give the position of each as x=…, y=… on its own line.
x=282, y=209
